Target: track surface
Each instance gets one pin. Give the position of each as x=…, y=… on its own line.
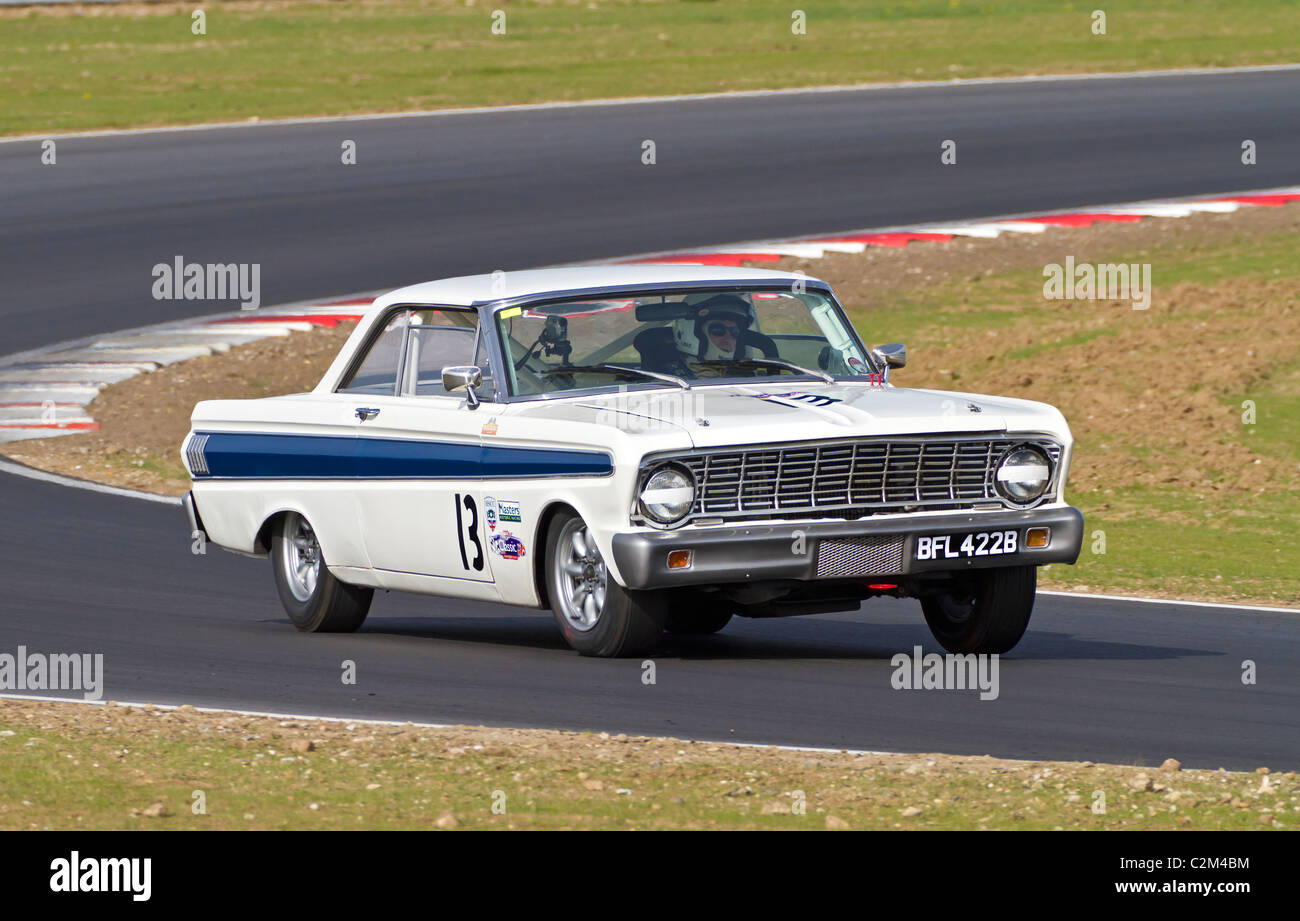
x=430, y=197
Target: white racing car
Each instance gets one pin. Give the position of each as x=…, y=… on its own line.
x=640, y=449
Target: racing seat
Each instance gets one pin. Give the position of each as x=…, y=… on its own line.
x=658, y=353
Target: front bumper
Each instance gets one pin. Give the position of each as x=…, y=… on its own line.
x=815, y=551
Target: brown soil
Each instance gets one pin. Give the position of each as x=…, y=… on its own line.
x=1156, y=389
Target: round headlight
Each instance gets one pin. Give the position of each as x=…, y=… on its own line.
x=668, y=495
x=1023, y=474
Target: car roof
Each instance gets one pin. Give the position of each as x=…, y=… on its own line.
x=468, y=290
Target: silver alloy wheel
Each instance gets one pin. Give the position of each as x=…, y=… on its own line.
x=301, y=556
x=580, y=576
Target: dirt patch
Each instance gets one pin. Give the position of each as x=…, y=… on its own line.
x=143, y=420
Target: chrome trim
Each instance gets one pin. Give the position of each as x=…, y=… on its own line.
x=195, y=459
x=657, y=375
x=865, y=476
x=1053, y=461
x=643, y=478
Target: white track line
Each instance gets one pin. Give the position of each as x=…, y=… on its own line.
x=686, y=97
x=408, y=723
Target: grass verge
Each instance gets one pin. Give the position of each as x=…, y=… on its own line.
x=111, y=767
x=133, y=64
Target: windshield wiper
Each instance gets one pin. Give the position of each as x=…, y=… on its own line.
x=620, y=369
x=767, y=363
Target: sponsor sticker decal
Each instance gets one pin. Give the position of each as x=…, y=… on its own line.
x=490, y=427
x=508, y=509
x=490, y=512
x=507, y=546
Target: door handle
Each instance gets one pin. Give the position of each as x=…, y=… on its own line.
x=364, y=413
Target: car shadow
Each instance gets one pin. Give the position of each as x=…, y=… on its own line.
x=783, y=639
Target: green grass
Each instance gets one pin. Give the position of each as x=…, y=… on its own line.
x=296, y=58
x=1178, y=544
x=1031, y=351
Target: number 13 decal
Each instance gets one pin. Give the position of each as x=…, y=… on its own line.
x=469, y=530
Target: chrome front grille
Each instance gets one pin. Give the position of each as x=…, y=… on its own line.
x=850, y=479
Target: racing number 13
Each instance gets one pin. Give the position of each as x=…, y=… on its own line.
x=471, y=530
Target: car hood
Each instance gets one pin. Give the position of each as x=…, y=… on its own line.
x=720, y=415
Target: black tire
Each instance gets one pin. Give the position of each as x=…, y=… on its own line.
x=625, y=623
x=988, y=615
x=697, y=615
x=329, y=606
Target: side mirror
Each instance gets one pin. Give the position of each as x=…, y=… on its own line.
x=893, y=355
x=468, y=378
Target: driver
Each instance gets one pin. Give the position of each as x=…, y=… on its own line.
x=714, y=333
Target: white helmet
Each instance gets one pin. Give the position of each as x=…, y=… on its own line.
x=690, y=334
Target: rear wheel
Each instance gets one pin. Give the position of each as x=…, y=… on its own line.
x=596, y=615
x=988, y=614
x=315, y=601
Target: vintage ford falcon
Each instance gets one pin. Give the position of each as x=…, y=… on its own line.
x=639, y=449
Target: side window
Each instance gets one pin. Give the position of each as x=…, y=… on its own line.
x=437, y=339
x=377, y=371
x=432, y=348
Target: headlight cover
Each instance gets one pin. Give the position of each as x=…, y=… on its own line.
x=668, y=494
x=1023, y=474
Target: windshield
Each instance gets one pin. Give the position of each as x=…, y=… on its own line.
x=684, y=337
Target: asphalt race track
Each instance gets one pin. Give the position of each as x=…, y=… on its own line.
x=1093, y=679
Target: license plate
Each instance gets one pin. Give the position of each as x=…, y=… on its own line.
x=964, y=546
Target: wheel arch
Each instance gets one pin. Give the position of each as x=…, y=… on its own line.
x=262, y=540
x=542, y=539
x=266, y=531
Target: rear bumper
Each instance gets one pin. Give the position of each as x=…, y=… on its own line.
x=192, y=512
x=816, y=551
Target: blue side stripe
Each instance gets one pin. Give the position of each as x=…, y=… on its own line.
x=280, y=457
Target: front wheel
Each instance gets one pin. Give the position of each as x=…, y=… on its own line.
x=596, y=615
x=988, y=614
x=315, y=601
